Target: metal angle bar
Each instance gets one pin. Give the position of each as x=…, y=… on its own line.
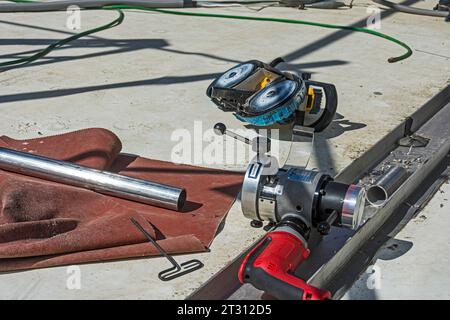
x=439, y=147
x=364, y=256
x=382, y=148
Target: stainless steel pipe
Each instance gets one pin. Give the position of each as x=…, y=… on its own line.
x=386, y=185
x=100, y=181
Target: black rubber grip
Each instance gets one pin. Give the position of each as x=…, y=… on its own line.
x=330, y=105
x=262, y=280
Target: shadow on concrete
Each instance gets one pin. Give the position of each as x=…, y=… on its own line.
x=71, y=91
x=139, y=44
x=121, y=46
x=339, y=126
x=336, y=36
x=321, y=147
x=312, y=65
x=117, y=46
x=364, y=287
x=31, y=26
x=393, y=249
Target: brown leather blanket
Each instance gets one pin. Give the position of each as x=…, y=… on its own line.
x=46, y=224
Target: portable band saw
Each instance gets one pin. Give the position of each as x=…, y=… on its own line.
x=298, y=203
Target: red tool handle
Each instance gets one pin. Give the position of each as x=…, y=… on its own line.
x=267, y=267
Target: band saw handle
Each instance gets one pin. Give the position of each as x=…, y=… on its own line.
x=269, y=265
x=330, y=105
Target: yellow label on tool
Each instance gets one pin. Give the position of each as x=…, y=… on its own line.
x=311, y=96
x=265, y=82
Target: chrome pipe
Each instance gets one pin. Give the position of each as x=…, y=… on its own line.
x=386, y=185
x=108, y=183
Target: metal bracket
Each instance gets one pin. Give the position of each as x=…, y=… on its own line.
x=301, y=147
x=414, y=141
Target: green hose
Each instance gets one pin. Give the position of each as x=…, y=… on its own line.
x=60, y=43
x=280, y=20
x=119, y=20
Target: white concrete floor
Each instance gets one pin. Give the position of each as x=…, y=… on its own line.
x=147, y=77
x=415, y=264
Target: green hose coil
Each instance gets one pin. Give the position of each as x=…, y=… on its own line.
x=119, y=20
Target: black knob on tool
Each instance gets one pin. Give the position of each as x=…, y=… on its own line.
x=259, y=144
x=324, y=228
x=220, y=129
x=256, y=223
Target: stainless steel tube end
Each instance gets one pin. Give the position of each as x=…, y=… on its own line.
x=378, y=193
x=181, y=200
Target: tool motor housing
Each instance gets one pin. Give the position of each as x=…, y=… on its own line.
x=297, y=202
x=271, y=194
